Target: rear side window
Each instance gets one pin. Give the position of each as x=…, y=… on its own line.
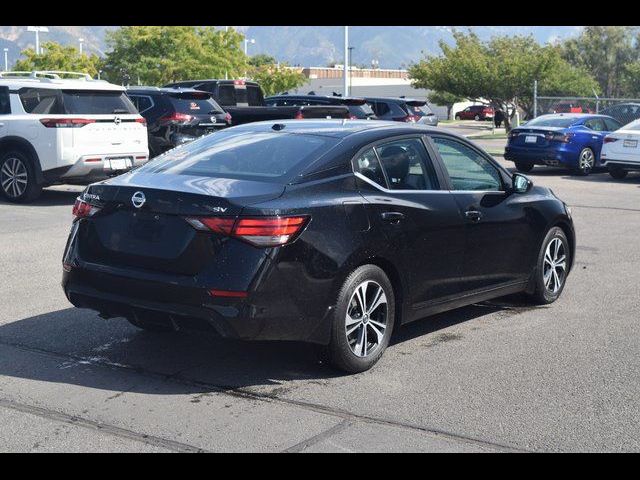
x=264, y=156
x=254, y=96
x=611, y=124
x=361, y=111
x=96, y=102
x=226, y=95
x=141, y=102
x=381, y=108
x=368, y=165
x=405, y=163
x=41, y=101
x=5, y=105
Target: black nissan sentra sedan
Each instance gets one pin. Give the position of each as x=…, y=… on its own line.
x=329, y=232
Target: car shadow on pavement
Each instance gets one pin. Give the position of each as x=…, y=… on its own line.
x=49, y=198
x=75, y=346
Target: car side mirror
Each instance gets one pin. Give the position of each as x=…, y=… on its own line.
x=520, y=183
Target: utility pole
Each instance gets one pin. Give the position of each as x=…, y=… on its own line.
x=346, y=62
x=535, y=98
x=37, y=30
x=81, y=40
x=350, y=72
x=6, y=59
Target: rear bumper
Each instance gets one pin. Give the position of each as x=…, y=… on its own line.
x=543, y=156
x=269, y=314
x=91, y=168
x=623, y=164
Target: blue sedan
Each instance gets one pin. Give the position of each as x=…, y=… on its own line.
x=572, y=141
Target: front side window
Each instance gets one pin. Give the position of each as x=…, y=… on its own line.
x=405, y=164
x=5, y=105
x=467, y=168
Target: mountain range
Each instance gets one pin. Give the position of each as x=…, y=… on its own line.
x=391, y=46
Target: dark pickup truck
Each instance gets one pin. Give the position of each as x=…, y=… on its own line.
x=244, y=101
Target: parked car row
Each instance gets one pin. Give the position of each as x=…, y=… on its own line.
x=65, y=127
x=577, y=142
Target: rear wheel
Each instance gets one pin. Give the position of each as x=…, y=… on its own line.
x=476, y=118
x=617, y=173
x=363, y=320
x=18, y=182
x=586, y=162
x=524, y=166
x=552, y=267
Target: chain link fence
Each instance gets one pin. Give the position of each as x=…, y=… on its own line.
x=625, y=110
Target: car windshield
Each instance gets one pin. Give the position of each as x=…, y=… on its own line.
x=562, y=122
x=264, y=156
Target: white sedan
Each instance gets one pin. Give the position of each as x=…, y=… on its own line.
x=621, y=150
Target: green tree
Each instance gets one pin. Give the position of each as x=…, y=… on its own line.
x=155, y=55
x=277, y=79
x=605, y=52
x=261, y=59
x=500, y=72
x=445, y=99
x=58, y=57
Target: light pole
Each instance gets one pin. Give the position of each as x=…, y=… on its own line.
x=37, y=30
x=6, y=59
x=248, y=41
x=350, y=72
x=81, y=40
x=345, y=75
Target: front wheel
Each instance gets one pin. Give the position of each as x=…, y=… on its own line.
x=586, y=162
x=617, y=173
x=363, y=320
x=552, y=267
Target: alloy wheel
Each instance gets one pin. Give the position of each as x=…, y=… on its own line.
x=367, y=318
x=555, y=265
x=586, y=160
x=13, y=177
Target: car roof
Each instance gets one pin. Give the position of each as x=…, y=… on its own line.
x=338, y=128
x=217, y=80
x=164, y=90
x=59, y=84
x=393, y=99
x=577, y=116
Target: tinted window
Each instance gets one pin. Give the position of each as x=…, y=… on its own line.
x=42, y=101
x=596, y=124
x=368, y=165
x=254, y=96
x=142, y=103
x=266, y=156
x=611, y=124
x=361, y=111
x=194, y=104
x=404, y=162
x=5, y=106
x=381, y=108
x=226, y=95
x=468, y=170
x=552, y=121
x=96, y=102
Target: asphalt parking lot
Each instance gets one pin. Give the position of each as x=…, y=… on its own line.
x=497, y=376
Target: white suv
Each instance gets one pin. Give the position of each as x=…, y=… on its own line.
x=62, y=130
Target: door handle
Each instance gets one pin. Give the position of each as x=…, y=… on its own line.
x=473, y=215
x=392, y=217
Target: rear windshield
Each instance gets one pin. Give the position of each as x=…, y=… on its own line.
x=96, y=102
x=194, y=104
x=562, y=122
x=263, y=156
x=230, y=95
x=361, y=111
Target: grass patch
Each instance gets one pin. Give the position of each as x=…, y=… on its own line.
x=489, y=136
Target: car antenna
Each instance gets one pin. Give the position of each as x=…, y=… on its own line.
x=278, y=126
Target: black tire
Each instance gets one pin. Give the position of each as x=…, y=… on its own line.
x=151, y=322
x=340, y=352
x=16, y=167
x=524, y=166
x=544, y=293
x=618, y=173
x=584, y=168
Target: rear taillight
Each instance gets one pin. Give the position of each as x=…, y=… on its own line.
x=299, y=115
x=227, y=118
x=177, y=118
x=82, y=209
x=258, y=231
x=66, y=122
x=408, y=119
x=559, y=137
x=352, y=117
x=141, y=120
x=610, y=139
